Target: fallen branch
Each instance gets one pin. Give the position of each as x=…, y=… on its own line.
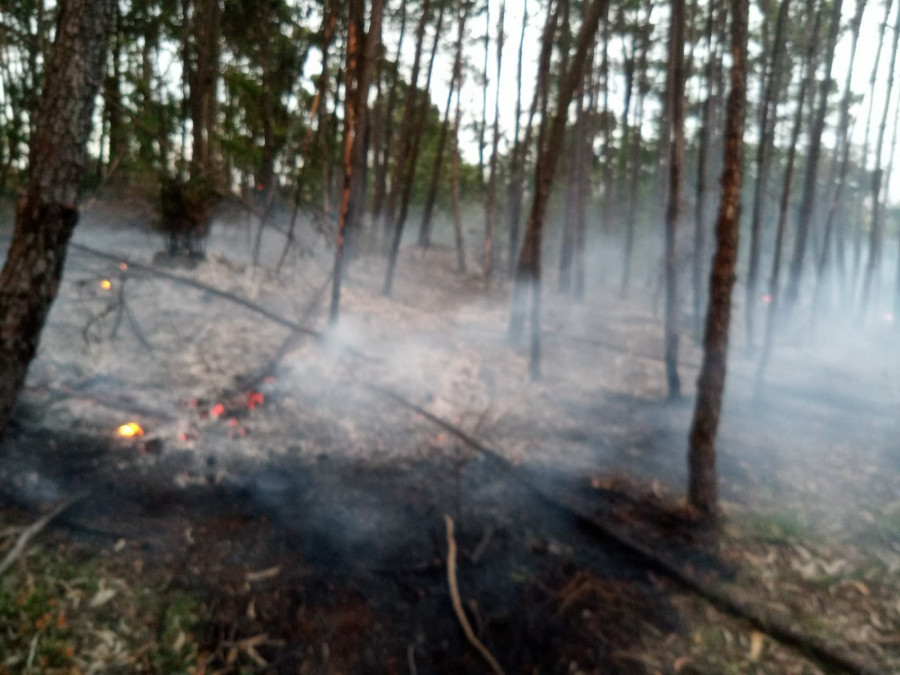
x=457, y=602
x=32, y=531
x=253, y=307
x=729, y=601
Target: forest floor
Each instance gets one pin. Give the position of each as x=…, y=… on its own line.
x=287, y=515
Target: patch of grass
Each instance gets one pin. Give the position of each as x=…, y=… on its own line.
x=777, y=526
x=62, y=610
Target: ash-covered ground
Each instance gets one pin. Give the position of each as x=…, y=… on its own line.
x=292, y=436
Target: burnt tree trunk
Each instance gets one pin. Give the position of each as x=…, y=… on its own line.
x=47, y=210
x=711, y=381
x=360, y=51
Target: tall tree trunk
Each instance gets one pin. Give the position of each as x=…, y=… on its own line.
x=491, y=207
x=842, y=151
x=767, y=116
x=361, y=52
x=806, y=83
x=876, y=233
x=550, y=142
x=700, y=206
x=673, y=207
x=387, y=135
x=864, y=159
x=711, y=381
x=425, y=229
x=482, y=128
x=515, y=189
x=413, y=157
x=457, y=215
x=409, y=108
x=808, y=204
x=634, y=164
x=47, y=210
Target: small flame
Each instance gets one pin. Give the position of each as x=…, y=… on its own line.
x=255, y=398
x=131, y=430
x=217, y=410
x=767, y=298
x=123, y=266
x=106, y=284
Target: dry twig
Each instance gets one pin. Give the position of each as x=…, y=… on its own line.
x=457, y=602
x=32, y=531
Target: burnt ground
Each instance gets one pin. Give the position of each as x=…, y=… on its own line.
x=306, y=511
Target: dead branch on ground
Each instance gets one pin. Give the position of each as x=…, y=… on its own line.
x=34, y=529
x=457, y=603
x=731, y=601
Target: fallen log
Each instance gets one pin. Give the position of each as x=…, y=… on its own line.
x=730, y=601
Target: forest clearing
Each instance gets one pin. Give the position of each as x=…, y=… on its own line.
x=330, y=346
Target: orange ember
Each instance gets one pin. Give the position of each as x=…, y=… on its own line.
x=123, y=266
x=255, y=398
x=106, y=284
x=131, y=430
x=217, y=410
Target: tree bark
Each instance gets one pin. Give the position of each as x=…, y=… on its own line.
x=711, y=381
x=387, y=134
x=514, y=191
x=47, y=210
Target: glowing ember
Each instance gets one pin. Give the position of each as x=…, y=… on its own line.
x=255, y=398
x=106, y=284
x=131, y=430
x=217, y=410
x=123, y=266
x=767, y=298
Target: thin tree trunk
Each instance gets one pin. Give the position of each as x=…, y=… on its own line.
x=702, y=492
x=767, y=116
x=876, y=233
x=47, y=210
x=409, y=108
x=699, y=258
x=807, y=205
x=550, y=142
x=425, y=229
x=514, y=190
x=635, y=166
x=380, y=190
x=412, y=160
x=842, y=148
x=864, y=159
x=491, y=215
x=361, y=53
x=482, y=128
x=806, y=83
x=457, y=215
x=673, y=208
